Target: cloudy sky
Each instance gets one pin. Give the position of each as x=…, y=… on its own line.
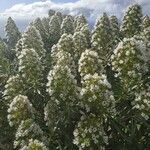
x=22, y=11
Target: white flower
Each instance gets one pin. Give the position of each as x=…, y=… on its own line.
x=121, y=61
x=142, y=106
x=137, y=106
x=75, y=133
x=127, y=53
x=112, y=57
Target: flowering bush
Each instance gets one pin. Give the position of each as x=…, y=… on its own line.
x=89, y=63
x=13, y=87
x=96, y=95
x=89, y=133
x=35, y=144
x=129, y=62
x=19, y=109
x=27, y=130
x=62, y=85
x=30, y=68
x=142, y=103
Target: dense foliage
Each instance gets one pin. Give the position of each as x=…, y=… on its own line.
x=65, y=87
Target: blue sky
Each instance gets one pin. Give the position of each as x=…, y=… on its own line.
x=5, y=4
x=32, y=8
x=24, y=11
x=9, y=3
x=64, y=1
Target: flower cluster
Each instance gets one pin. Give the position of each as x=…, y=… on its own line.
x=13, y=87
x=67, y=25
x=87, y=33
x=54, y=29
x=79, y=22
x=63, y=91
x=12, y=33
x=30, y=67
x=89, y=133
x=115, y=30
x=128, y=62
x=102, y=38
x=142, y=103
x=66, y=44
x=54, y=51
x=146, y=22
x=80, y=43
x=62, y=53
x=65, y=59
x=62, y=84
x=89, y=63
x=19, y=109
x=146, y=33
x=132, y=21
x=96, y=95
x=31, y=39
x=35, y=145
x=40, y=26
x=143, y=46
x=18, y=48
x=28, y=129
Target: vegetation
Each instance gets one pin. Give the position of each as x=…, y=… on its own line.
x=65, y=87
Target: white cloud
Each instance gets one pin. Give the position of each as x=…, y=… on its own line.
x=96, y=7
x=90, y=8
